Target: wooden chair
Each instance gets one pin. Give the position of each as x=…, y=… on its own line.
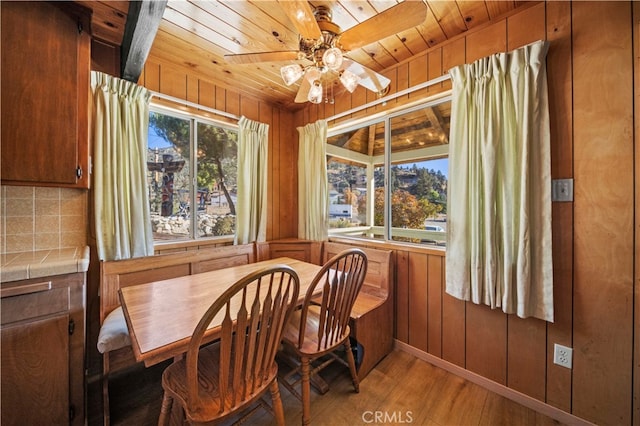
x=114, y=341
x=226, y=377
x=321, y=325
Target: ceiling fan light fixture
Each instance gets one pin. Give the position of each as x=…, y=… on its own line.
x=312, y=74
x=349, y=80
x=332, y=58
x=315, y=93
x=291, y=73
x=323, y=46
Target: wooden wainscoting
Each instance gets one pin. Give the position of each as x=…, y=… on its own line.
x=304, y=250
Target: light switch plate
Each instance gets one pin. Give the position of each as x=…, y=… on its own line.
x=562, y=190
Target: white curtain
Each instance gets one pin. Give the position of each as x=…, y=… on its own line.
x=120, y=126
x=313, y=210
x=251, y=220
x=499, y=194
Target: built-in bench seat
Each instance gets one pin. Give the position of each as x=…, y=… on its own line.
x=372, y=314
x=371, y=318
x=114, y=341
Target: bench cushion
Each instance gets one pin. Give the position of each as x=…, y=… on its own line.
x=114, y=333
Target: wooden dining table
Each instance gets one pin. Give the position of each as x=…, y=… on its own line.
x=162, y=315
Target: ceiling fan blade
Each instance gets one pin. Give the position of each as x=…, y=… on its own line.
x=396, y=19
x=303, y=91
x=252, y=58
x=369, y=79
x=301, y=15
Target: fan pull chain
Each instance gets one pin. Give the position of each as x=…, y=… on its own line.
x=332, y=99
x=327, y=99
x=326, y=94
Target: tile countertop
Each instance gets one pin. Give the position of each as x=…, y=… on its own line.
x=43, y=263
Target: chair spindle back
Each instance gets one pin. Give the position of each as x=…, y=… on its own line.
x=254, y=310
x=340, y=279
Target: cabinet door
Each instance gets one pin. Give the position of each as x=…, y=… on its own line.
x=44, y=90
x=35, y=372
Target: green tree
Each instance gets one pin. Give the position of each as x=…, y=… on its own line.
x=217, y=159
x=217, y=151
x=378, y=177
x=431, y=209
x=432, y=186
x=424, y=183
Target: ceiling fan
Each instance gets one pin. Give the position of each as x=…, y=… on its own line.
x=323, y=46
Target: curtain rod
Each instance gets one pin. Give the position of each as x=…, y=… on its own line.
x=334, y=117
x=194, y=105
x=390, y=97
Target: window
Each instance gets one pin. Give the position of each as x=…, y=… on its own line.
x=191, y=176
x=388, y=177
x=347, y=193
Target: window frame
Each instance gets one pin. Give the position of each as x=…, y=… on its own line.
x=435, y=152
x=193, y=119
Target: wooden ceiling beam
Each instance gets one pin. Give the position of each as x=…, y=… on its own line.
x=354, y=143
x=372, y=140
x=140, y=30
x=437, y=123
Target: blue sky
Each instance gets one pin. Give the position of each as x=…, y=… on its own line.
x=155, y=140
x=441, y=164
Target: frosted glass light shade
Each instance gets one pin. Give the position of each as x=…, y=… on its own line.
x=315, y=93
x=291, y=73
x=349, y=80
x=332, y=58
x=312, y=74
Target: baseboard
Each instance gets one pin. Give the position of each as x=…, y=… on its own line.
x=520, y=398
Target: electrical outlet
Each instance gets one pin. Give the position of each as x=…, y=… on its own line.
x=562, y=355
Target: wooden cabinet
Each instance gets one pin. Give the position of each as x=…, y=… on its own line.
x=42, y=332
x=45, y=93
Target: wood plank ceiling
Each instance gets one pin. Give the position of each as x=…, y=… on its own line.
x=423, y=128
x=197, y=34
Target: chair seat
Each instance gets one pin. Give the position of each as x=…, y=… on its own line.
x=174, y=380
x=309, y=346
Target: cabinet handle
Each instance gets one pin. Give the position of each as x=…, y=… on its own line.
x=25, y=289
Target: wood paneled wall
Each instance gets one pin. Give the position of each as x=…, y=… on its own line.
x=636, y=281
x=590, y=68
x=282, y=212
x=590, y=75
x=603, y=211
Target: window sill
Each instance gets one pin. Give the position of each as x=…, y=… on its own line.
x=390, y=245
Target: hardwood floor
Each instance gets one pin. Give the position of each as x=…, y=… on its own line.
x=400, y=390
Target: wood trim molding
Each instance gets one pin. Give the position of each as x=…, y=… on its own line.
x=635, y=417
x=520, y=398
